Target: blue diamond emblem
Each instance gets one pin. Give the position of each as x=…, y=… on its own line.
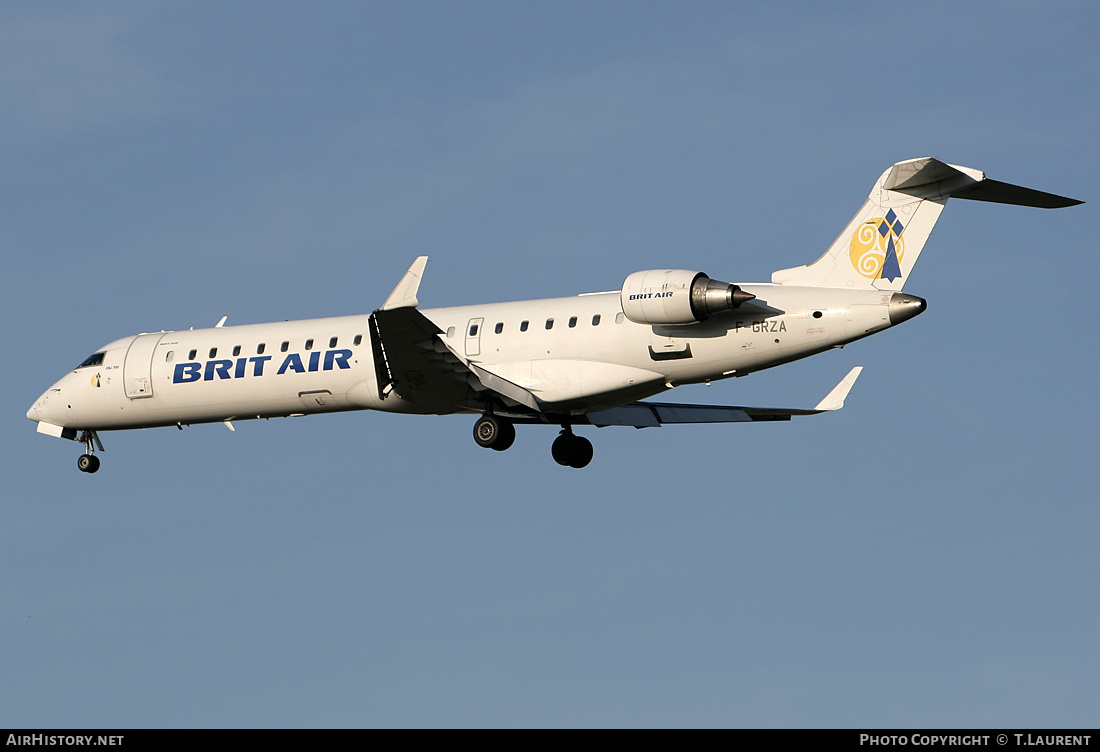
x=891, y=270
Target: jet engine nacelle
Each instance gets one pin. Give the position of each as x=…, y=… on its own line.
x=677, y=296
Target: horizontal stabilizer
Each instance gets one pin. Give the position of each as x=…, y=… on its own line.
x=931, y=178
x=914, y=173
x=1006, y=193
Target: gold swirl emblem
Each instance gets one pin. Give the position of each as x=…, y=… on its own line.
x=95, y=380
x=871, y=244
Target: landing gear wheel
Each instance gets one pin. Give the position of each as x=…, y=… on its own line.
x=582, y=452
x=88, y=463
x=496, y=433
x=570, y=450
x=562, y=449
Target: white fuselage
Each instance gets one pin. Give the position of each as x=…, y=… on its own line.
x=585, y=360
x=323, y=365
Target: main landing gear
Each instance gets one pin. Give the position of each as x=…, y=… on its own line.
x=569, y=450
x=496, y=433
x=88, y=462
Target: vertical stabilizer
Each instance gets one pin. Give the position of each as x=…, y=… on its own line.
x=881, y=244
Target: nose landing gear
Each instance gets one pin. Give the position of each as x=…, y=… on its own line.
x=88, y=462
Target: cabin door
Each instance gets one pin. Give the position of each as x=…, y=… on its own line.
x=473, y=337
x=137, y=371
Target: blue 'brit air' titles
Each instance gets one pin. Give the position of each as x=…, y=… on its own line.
x=240, y=367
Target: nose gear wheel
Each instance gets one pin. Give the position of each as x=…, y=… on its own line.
x=88, y=462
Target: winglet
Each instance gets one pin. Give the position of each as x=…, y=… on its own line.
x=834, y=400
x=404, y=295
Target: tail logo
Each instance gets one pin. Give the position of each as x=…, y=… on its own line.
x=877, y=247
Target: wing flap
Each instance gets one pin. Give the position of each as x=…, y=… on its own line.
x=564, y=384
x=501, y=385
x=653, y=414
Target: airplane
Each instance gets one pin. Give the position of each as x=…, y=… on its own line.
x=590, y=359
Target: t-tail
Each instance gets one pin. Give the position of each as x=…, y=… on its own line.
x=880, y=246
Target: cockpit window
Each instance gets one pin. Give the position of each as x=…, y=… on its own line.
x=93, y=360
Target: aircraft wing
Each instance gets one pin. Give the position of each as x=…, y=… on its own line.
x=411, y=359
x=653, y=414
x=407, y=361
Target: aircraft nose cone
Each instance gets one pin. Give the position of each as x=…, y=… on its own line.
x=37, y=411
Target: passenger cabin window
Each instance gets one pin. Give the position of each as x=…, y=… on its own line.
x=450, y=331
x=572, y=321
x=191, y=355
x=284, y=347
x=170, y=356
x=619, y=317
x=523, y=326
x=260, y=348
x=332, y=343
x=499, y=327
x=309, y=344
x=358, y=339
x=473, y=330
x=93, y=360
x=549, y=323
x=236, y=350
x=213, y=352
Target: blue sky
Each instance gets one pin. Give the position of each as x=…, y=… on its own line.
x=925, y=557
